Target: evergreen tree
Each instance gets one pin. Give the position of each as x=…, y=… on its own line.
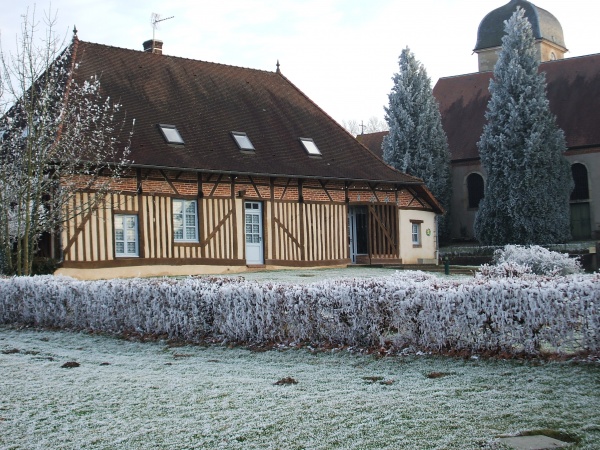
x=521, y=148
x=416, y=143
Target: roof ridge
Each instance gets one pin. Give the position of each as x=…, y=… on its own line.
x=570, y=58
x=465, y=74
x=180, y=57
x=564, y=60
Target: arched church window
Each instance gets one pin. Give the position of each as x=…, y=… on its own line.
x=475, y=189
x=580, y=177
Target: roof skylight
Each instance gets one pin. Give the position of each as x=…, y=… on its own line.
x=242, y=140
x=310, y=147
x=171, y=134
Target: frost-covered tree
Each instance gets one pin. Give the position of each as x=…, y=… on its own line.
x=529, y=180
x=58, y=137
x=416, y=143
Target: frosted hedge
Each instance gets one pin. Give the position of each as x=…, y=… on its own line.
x=407, y=310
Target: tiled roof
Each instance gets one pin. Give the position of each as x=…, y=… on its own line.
x=573, y=92
x=373, y=141
x=208, y=101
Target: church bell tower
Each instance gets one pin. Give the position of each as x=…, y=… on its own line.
x=547, y=31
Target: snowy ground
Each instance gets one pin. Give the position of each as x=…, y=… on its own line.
x=151, y=395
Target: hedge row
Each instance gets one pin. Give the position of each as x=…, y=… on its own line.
x=407, y=310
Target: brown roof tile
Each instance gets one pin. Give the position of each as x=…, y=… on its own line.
x=373, y=141
x=207, y=101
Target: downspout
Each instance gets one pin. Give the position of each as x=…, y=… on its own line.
x=437, y=240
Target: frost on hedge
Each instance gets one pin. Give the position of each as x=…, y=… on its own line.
x=518, y=261
x=408, y=310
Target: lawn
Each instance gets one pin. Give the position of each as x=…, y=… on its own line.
x=152, y=395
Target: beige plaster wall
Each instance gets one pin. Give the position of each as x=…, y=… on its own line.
x=427, y=250
x=488, y=57
x=545, y=51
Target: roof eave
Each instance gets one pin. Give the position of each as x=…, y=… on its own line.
x=281, y=175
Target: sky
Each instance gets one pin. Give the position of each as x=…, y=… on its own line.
x=341, y=53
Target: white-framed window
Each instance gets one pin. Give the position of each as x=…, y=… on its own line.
x=171, y=134
x=416, y=233
x=126, y=235
x=243, y=141
x=185, y=220
x=310, y=147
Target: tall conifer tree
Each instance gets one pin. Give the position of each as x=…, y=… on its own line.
x=416, y=143
x=521, y=148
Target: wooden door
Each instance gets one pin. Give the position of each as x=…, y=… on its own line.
x=383, y=233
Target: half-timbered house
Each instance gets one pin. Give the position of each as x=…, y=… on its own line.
x=235, y=168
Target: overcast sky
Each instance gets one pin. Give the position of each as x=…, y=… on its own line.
x=341, y=53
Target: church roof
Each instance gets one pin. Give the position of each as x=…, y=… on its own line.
x=573, y=92
x=206, y=102
x=373, y=141
x=544, y=25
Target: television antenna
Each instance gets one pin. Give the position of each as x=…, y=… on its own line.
x=155, y=20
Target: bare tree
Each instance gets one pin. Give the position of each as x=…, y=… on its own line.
x=373, y=125
x=58, y=136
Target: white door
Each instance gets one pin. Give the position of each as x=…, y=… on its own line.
x=254, y=233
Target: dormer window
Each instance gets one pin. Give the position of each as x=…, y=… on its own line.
x=171, y=134
x=310, y=147
x=243, y=141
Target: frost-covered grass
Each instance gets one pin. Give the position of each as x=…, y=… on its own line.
x=152, y=395
x=305, y=276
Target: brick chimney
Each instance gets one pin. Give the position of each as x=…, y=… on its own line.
x=153, y=46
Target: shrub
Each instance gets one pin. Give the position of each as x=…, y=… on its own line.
x=540, y=260
x=504, y=270
x=408, y=310
x=44, y=266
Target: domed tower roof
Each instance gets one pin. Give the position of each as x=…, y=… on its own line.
x=545, y=25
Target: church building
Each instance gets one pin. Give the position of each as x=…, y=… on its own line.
x=573, y=89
